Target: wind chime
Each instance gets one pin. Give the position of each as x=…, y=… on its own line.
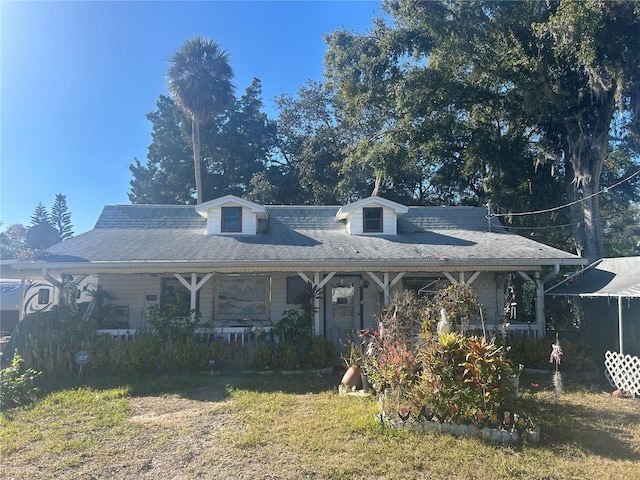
x=510, y=307
x=555, y=358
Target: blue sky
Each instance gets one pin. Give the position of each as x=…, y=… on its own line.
x=78, y=78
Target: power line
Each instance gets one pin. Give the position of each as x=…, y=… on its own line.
x=553, y=209
x=562, y=225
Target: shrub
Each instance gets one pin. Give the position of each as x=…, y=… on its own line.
x=48, y=341
x=287, y=357
x=170, y=323
x=145, y=353
x=185, y=354
x=233, y=355
x=294, y=326
x=322, y=353
x=262, y=356
x=534, y=353
x=404, y=317
x=394, y=368
x=17, y=384
x=461, y=376
x=455, y=377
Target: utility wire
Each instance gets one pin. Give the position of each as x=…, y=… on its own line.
x=553, y=209
x=509, y=227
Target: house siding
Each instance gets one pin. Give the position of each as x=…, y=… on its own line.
x=214, y=222
x=355, y=221
x=132, y=291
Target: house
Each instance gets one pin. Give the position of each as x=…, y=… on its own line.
x=242, y=264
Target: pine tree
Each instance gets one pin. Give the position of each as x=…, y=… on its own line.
x=60, y=217
x=40, y=215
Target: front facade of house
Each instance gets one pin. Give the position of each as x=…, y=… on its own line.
x=241, y=265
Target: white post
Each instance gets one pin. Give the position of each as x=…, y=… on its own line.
x=385, y=284
x=620, y=323
x=316, y=305
x=193, y=288
x=541, y=321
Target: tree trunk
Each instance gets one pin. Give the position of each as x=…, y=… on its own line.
x=195, y=137
x=584, y=216
x=592, y=224
x=576, y=220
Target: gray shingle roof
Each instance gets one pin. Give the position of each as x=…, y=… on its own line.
x=303, y=234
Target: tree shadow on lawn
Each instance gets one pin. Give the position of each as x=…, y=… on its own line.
x=215, y=387
x=605, y=433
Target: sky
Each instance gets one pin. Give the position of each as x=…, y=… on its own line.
x=78, y=78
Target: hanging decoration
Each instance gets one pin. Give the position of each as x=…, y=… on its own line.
x=556, y=358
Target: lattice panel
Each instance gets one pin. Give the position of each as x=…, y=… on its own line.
x=623, y=371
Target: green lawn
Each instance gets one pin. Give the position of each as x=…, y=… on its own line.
x=297, y=426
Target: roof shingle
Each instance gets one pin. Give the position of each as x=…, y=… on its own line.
x=146, y=233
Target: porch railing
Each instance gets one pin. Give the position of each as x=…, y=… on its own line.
x=240, y=335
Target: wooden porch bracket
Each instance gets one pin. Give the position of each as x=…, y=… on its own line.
x=385, y=284
x=317, y=284
x=193, y=286
x=461, y=277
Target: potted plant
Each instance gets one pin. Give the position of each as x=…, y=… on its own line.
x=353, y=358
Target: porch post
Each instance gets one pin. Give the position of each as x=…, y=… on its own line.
x=540, y=319
x=316, y=285
x=620, y=335
x=316, y=305
x=193, y=287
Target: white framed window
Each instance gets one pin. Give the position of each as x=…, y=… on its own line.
x=372, y=219
x=231, y=218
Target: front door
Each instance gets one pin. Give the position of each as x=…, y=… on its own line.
x=343, y=320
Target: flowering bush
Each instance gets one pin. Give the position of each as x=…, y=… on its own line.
x=394, y=367
x=451, y=378
x=462, y=376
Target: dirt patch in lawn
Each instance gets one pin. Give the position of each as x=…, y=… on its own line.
x=176, y=411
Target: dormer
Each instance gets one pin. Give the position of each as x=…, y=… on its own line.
x=230, y=215
x=372, y=216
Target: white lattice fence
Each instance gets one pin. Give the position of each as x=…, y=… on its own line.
x=623, y=371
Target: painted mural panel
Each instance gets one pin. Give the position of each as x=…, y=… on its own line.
x=242, y=297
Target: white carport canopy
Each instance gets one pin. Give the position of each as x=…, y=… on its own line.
x=608, y=277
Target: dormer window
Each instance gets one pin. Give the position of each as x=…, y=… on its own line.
x=232, y=216
x=231, y=220
x=372, y=216
x=372, y=219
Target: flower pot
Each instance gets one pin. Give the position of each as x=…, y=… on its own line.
x=352, y=377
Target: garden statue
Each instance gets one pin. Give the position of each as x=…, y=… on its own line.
x=443, y=326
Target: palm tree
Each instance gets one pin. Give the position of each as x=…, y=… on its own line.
x=200, y=82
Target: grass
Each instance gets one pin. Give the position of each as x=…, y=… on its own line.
x=296, y=427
